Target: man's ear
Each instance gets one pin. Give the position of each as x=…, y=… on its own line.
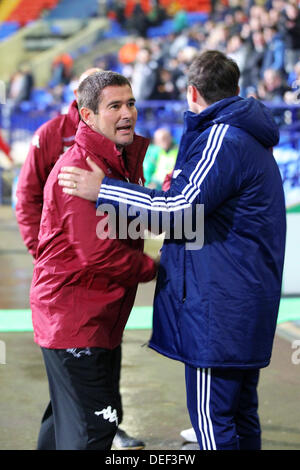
x=195, y=100
x=87, y=116
x=194, y=93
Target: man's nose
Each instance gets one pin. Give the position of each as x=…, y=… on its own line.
x=126, y=112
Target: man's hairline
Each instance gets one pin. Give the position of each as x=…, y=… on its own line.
x=100, y=95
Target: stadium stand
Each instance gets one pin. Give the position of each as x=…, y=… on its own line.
x=25, y=11
x=6, y=8
x=15, y=14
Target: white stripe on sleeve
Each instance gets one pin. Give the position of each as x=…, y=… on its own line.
x=189, y=192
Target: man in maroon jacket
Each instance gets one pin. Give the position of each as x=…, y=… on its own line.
x=58, y=280
x=49, y=142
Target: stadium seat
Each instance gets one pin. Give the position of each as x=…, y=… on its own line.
x=67, y=9
x=7, y=28
x=40, y=98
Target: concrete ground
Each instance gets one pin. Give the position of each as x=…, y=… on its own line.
x=152, y=386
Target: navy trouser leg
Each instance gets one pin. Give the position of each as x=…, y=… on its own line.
x=246, y=418
x=222, y=404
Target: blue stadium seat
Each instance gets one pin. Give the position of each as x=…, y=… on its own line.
x=7, y=28
x=41, y=98
x=196, y=17
x=115, y=30
x=67, y=9
x=167, y=27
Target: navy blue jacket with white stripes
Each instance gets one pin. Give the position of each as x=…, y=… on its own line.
x=217, y=306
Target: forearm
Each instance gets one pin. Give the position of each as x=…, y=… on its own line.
x=158, y=211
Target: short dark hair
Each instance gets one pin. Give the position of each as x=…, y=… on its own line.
x=90, y=89
x=215, y=76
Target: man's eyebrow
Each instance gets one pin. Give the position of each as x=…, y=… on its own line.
x=120, y=101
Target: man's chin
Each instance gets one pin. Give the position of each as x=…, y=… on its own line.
x=125, y=142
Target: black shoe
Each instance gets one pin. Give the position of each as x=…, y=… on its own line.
x=124, y=442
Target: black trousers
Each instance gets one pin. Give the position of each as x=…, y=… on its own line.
x=85, y=406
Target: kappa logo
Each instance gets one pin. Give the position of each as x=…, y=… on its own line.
x=77, y=352
x=108, y=414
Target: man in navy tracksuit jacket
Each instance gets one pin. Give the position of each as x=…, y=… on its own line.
x=216, y=307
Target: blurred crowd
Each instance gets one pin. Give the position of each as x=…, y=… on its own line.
x=264, y=39
x=262, y=36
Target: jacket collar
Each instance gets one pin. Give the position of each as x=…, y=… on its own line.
x=248, y=114
x=73, y=114
x=204, y=119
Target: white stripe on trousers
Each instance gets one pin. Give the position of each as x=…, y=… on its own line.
x=203, y=402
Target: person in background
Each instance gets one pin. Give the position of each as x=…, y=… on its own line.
x=273, y=86
x=160, y=158
x=49, y=142
x=216, y=302
x=20, y=85
x=274, y=56
x=144, y=75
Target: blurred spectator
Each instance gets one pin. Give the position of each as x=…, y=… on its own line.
x=165, y=88
x=117, y=11
x=275, y=49
x=178, y=42
x=144, y=75
x=62, y=69
x=254, y=60
x=20, y=85
x=139, y=19
x=273, y=86
x=157, y=14
x=238, y=49
x=180, y=21
x=292, y=96
x=127, y=53
x=138, y=22
x=218, y=38
x=160, y=158
x=292, y=25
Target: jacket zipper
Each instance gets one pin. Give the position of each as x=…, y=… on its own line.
x=184, y=290
x=184, y=282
